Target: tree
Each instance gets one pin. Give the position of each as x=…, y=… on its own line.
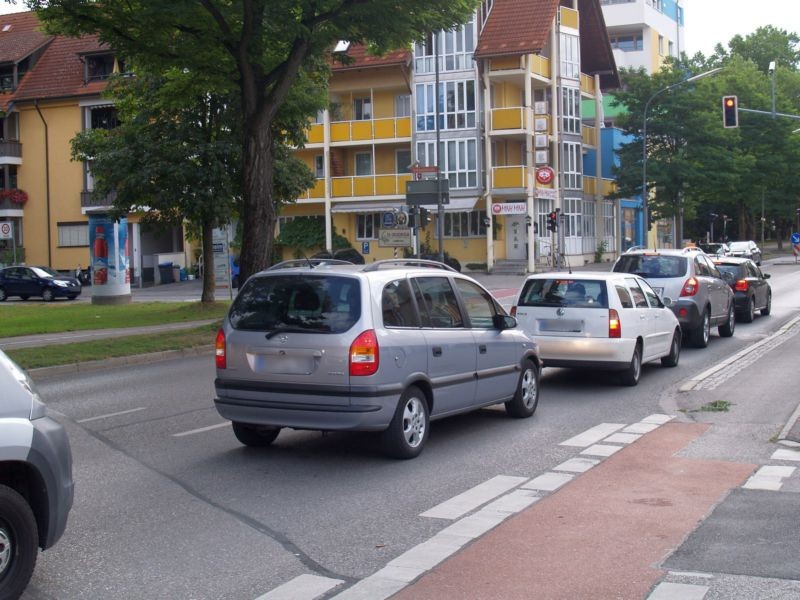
x=258, y=49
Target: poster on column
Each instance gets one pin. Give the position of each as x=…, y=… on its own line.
x=108, y=243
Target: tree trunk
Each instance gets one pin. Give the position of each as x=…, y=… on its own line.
x=208, y=262
x=258, y=218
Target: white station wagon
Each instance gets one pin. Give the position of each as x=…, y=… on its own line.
x=596, y=320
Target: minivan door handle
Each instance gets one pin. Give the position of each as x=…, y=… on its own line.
x=437, y=350
x=482, y=348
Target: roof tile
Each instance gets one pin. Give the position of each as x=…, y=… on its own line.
x=516, y=27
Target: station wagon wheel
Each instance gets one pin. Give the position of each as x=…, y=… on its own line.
x=526, y=398
x=19, y=541
x=3, y=295
x=255, y=435
x=726, y=329
x=48, y=295
x=630, y=376
x=768, y=308
x=671, y=359
x=700, y=335
x=408, y=431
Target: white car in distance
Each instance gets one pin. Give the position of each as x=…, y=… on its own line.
x=612, y=321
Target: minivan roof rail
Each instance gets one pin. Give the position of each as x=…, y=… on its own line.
x=408, y=262
x=307, y=262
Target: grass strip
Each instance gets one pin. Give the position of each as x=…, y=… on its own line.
x=63, y=354
x=57, y=317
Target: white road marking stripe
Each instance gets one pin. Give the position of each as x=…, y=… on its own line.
x=202, y=429
x=577, y=465
x=468, y=501
x=640, y=428
x=622, y=438
x=692, y=574
x=109, y=415
x=658, y=419
x=785, y=455
x=548, y=482
x=768, y=478
x=593, y=435
x=678, y=591
x=514, y=502
x=775, y=471
x=601, y=450
x=303, y=587
x=373, y=588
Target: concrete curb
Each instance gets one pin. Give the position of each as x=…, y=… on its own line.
x=118, y=361
x=791, y=431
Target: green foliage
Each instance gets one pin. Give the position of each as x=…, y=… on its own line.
x=307, y=234
x=7, y=256
x=602, y=248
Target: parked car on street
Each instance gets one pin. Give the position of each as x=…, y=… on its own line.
x=37, y=281
x=701, y=298
x=748, y=249
x=386, y=347
x=714, y=249
x=751, y=290
x=598, y=320
x=36, y=487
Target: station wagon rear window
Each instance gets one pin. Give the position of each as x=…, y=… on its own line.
x=584, y=293
x=297, y=303
x=652, y=266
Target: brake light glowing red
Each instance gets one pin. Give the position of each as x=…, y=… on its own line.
x=220, y=351
x=513, y=311
x=614, y=325
x=690, y=287
x=364, y=354
x=741, y=285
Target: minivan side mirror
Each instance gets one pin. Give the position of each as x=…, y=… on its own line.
x=502, y=322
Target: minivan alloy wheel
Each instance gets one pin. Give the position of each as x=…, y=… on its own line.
x=5, y=550
x=414, y=422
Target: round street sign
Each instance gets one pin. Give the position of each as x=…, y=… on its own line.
x=796, y=238
x=5, y=230
x=545, y=175
x=401, y=219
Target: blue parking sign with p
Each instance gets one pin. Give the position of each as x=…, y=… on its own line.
x=364, y=247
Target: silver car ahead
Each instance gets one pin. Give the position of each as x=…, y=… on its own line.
x=384, y=347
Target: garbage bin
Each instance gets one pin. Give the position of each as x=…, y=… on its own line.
x=166, y=272
x=176, y=273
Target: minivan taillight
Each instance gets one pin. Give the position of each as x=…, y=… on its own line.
x=219, y=350
x=614, y=326
x=364, y=354
x=690, y=287
x=741, y=285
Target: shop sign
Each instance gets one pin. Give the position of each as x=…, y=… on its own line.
x=510, y=208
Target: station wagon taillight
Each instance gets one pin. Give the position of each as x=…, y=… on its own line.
x=690, y=287
x=741, y=285
x=364, y=354
x=614, y=326
x=219, y=350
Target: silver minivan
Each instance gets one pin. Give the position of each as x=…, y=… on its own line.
x=384, y=347
x=36, y=485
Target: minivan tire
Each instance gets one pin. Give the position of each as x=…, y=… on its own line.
x=18, y=531
x=701, y=334
x=407, y=433
x=631, y=375
x=256, y=436
x=526, y=398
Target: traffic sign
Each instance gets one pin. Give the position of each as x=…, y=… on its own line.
x=426, y=192
x=389, y=219
x=421, y=173
x=401, y=219
x=796, y=238
x=6, y=232
x=395, y=238
x=545, y=175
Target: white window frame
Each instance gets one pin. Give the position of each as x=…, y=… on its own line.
x=402, y=105
x=465, y=224
x=362, y=109
x=73, y=235
x=457, y=105
x=571, y=109
x=573, y=217
x=459, y=162
x=319, y=166
x=572, y=176
x=570, y=55
x=456, y=47
x=355, y=163
x=367, y=226
x=588, y=230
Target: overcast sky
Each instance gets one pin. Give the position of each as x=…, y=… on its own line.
x=707, y=22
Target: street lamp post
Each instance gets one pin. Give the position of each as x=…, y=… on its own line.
x=713, y=216
x=645, y=203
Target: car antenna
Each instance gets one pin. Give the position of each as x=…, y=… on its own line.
x=308, y=260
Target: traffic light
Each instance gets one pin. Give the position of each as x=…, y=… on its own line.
x=424, y=216
x=552, y=221
x=730, y=112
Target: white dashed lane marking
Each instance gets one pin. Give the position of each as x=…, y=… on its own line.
x=548, y=482
x=201, y=429
x=576, y=465
x=593, y=435
x=786, y=455
x=473, y=498
x=109, y=415
x=601, y=450
x=768, y=478
x=303, y=587
x=622, y=438
x=678, y=591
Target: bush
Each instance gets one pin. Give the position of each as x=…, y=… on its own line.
x=602, y=247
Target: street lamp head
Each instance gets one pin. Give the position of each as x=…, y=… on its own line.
x=703, y=74
x=771, y=67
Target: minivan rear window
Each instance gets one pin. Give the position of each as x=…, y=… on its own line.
x=298, y=302
x=651, y=266
x=584, y=293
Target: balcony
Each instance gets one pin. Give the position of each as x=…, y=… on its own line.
x=10, y=153
x=593, y=186
x=316, y=134
x=589, y=135
x=369, y=185
x=512, y=178
x=512, y=119
x=9, y=208
x=317, y=192
x=540, y=66
x=89, y=202
x=587, y=85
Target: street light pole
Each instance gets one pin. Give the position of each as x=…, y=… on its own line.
x=439, y=205
x=713, y=216
x=645, y=203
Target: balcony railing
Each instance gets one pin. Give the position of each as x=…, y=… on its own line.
x=89, y=201
x=10, y=153
x=369, y=185
x=513, y=118
x=540, y=66
x=589, y=135
x=316, y=192
x=513, y=177
x=7, y=204
x=593, y=186
x=587, y=84
x=374, y=129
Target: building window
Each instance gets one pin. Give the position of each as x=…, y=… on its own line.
x=656, y=4
x=627, y=43
x=486, y=8
x=456, y=105
x=103, y=117
x=661, y=45
x=7, y=78
x=572, y=170
x=588, y=220
x=671, y=47
x=402, y=105
x=543, y=209
x=455, y=50
x=101, y=66
x=572, y=221
x=607, y=210
x=459, y=160
x=570, y=56
x=571, y=109
x=72, y=235
x=367, y=226
x=362, y=109
x=363, y=164
x=319, y=166
x=12, y=177
x=465, y=224
x=281, y=222
x=402, y=161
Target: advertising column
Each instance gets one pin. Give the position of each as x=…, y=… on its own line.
x=108, y=244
